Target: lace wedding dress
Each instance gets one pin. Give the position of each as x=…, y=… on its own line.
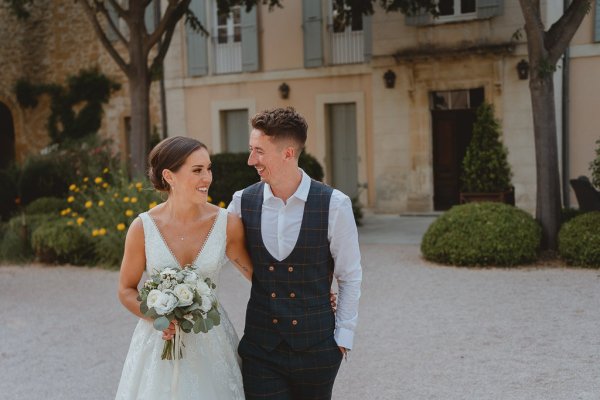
x=210, y=368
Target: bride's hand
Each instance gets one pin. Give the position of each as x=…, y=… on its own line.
x=333, y=300
x=169, y=333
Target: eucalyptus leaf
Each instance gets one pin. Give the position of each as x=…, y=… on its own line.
x=209, y=324
x=161, y=323
x=186, y=326
x=214, y=316
x=143, y=307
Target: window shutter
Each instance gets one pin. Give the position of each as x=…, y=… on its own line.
x=489, y=8
x=114, y=17
x=249, y=40
x=368, y=38
x=149, y=17
x=313, y=33
x=420, y=18
x=597, y=22
x=197, y=52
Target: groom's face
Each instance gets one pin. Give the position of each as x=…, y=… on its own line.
x=266, y=156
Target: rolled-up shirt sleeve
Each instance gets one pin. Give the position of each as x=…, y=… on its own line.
x=343, y=243
x=235, y=207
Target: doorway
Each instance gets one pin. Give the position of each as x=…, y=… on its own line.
x=7, y=137
x=342, y=151
x=452, y=115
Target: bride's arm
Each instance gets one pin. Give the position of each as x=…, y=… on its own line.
x=132, y=267
x=236, y=246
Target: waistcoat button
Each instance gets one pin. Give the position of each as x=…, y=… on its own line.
x=273, y=295
x=271, y=268
x=292, y=295
x=275, y=320
x=294, y=322
x=290, y=269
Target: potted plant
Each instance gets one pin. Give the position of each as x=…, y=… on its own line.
x=486, y=174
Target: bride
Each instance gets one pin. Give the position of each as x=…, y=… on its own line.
x=183, y=230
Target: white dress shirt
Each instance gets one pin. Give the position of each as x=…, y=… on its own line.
x=280, y=228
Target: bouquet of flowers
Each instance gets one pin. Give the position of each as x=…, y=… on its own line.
x=182, y=296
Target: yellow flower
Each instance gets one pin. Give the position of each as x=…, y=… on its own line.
x=76, y=190
x=116, y=195
x=80, y=221
x=134, y=199
x=128, y=213
x=138, y=185
x=69, y=223
x=105, y=185
x=209, y=199
x=222, y=204
x=105, y=171
x=70, y=199
x=88, y=204
x=95, y=232
x=125, y=199
x=152, y=205
x=98, y=180
x=65, y=211
x=121, y=227
x=101, y=203
x=101, y=231
x=74, y=214
x=72, y=187
x=86, y=179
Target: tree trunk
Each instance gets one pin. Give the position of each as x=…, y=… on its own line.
x=546, y=152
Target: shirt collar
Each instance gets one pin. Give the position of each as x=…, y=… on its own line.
x=301, y=192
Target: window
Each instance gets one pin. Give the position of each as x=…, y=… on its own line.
x=347, y=35
x=456, y=99
x=234, y=131
x=448, y=8
x=228, y=41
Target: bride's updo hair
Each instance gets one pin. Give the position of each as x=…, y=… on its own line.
x=170, y=154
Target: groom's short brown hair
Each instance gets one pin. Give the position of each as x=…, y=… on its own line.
x=282, y=123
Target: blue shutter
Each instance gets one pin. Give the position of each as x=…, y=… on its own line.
x=420, y=18
x=149, y=17
x=249, y=40
x=114, y=17
x=368, y=37
x=597, y=22
x=489, y=8
x=197, y=52
x=313, y=33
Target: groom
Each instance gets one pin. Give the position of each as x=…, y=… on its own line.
x=300, y=234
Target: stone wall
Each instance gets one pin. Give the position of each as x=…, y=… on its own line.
x=58, y=41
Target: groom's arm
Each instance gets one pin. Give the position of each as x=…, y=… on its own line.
x=343, y=243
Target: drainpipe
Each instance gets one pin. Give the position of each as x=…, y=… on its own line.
x=163, y=97
x=565, y=124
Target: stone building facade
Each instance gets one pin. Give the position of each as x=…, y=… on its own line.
x=56, y=42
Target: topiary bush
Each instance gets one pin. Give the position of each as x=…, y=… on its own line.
x=579, y=240
x=232, y=173
x=57, y=242
x=482, y=234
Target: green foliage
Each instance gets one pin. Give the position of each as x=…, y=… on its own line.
x=482, y=234
x=8, y=192
x=579, y=240
x=485, y=166
x=595, y=167
x=15, y=244
x=56, y=242
x=44, y=176
x=568, y=214
x=75, y=110
x=231, y=173
x=45, y=205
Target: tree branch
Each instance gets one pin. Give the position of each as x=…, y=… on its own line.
x=173, y=14
x=562, y=31
x=102, y=8
x=120, y=10
x=91, y=14
x=534, y=28
x=169, y=28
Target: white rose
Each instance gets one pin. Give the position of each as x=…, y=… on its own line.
x=190, y=277
x=166, y=303
x=202, y=288
x=168, y=272
x=184, y=294
x=152, y=299
x=206, y=303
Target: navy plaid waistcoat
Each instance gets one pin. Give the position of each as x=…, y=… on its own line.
x=289, y=299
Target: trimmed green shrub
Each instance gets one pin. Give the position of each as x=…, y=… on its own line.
x=57, y=242
x=567, y=214
x=231, y=173
x=44, y=176
x=45, y=205
x=579, y=240
x=485, y=165
x=595, y=166
x=15, y=244
x=482, y=234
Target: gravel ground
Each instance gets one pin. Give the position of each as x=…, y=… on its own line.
x=425, y=331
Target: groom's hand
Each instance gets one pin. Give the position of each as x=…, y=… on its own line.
x=344, y=351
x=332, y=299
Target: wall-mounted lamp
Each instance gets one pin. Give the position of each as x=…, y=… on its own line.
x=284, y=90
x=390, y=79
x=523, y=69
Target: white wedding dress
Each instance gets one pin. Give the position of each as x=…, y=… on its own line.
x=210, y=367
